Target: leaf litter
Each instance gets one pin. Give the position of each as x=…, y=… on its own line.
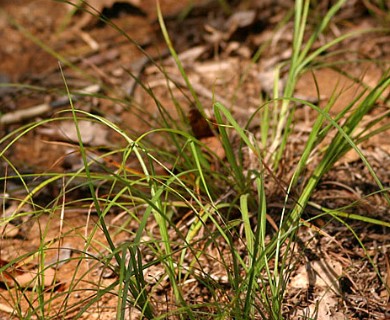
x=331, y=278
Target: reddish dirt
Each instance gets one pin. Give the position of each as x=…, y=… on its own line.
x=95, y=53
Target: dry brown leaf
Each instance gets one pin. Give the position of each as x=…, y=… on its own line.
x=99, y=5
x=326, y=307
x=6, y=308
x=202, y=130
x=324, y=278
x=62, y=257
x=199, y=125
x=9, y=230
x=301, y=278
x=240, y=19
x=29, y=279
x=327, y=272
x=350, y=157
x=25, y=278
x=93, y=134
x=215, y=145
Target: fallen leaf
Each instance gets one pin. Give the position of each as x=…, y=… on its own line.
x=99, y=5
x=301, y=278
x=214, y=145
x=92, y=134
x=327, y=304
x=201, y=129
x=350, y=157
x=199, y=125
x=240, y=19
x=24, y=278
x=13, y=219
x=328, y=272
x=6, y=308
x=29, y=279
x=324, y=279
x=62, y=257
x=9, y=230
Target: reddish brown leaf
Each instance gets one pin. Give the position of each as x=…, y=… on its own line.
x=199, y=125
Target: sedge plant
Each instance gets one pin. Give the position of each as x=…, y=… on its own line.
x=228, y=210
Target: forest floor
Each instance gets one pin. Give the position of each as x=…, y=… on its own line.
x=42, y=44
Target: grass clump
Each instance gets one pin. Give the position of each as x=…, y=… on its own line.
x=200, y=238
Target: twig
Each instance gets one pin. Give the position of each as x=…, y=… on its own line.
x=28, y=113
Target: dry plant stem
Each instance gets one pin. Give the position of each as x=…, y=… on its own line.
x=39, y=110
x=24, y=114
